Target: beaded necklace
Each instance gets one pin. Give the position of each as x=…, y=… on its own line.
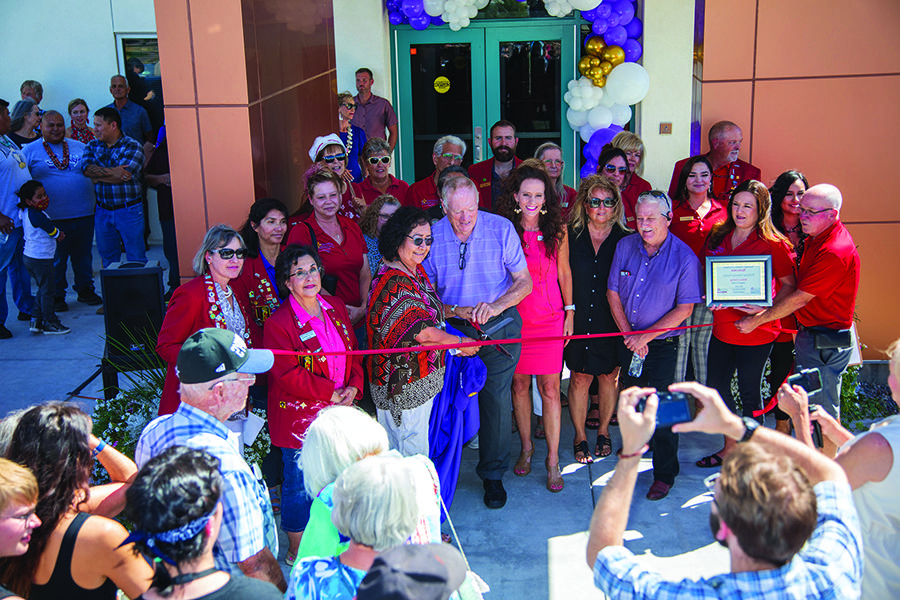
x=223, y=313
x=62, y=166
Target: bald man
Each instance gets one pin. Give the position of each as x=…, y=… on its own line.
x=827, y=284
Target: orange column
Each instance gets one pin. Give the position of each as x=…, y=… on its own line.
x=248, y=85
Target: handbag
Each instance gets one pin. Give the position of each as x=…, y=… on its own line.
x=329, y=282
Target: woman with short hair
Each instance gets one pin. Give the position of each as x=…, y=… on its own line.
x=551, y=155
x=205, y=301
x=18, y=499
x=376, y=160
x=353, y=137
x=371, y=222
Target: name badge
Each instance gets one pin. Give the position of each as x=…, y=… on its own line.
x=686, y=219
x=624, y=273
x=307, y=336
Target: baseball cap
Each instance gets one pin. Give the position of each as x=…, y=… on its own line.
x=414, y=572
x=212, y=353
x=3, y=102
x=325, y=140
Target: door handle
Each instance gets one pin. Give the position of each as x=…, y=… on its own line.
x=477, y=149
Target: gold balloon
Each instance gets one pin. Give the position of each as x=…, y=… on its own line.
x=606, y=67
x=614, y=55
x=599, y=81
x=584, y=64
x=595, y=46
x=597, y=76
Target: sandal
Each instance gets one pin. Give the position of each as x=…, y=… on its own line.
x=555, y=483
x=614, y=420
x=582, y=449
x=523, y=465
x=563, y=399
x=604, y=446
x=539, y=433
x=275, y=499
x=593, y=422
x=290, y=558
x=710, y=462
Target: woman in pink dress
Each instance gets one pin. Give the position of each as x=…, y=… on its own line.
x=531, y=205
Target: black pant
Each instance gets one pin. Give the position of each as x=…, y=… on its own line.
x=782, y=357
x=750, y=362
x=659, y=373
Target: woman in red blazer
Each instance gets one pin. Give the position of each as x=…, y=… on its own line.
x=205, y=301
x=300, y=386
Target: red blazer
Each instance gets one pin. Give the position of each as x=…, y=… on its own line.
x=299, y=386
x=187, y=313
x=258, y=293
x=482, y=173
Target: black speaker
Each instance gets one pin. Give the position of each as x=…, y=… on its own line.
x=133, y=308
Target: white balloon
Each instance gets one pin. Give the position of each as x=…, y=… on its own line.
x=628, y=83
x=584, y=4
x=601, y=117
x=433, y=8
x=479, y=4
x=586, y=132
x=464, y=21
x=471, y=11
x=621, y=114
x=568, y=97
x=597, y=94
x=577, y=103
x=455, y=26
x=572, y=83
x=576, y=118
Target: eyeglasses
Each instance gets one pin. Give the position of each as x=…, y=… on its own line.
x=811, y=213
x=385, y=216
x=613, y=168
x=427, y=240
x=334, y=157
x=462, y=255
x=374, y=160
x=249, y=379
x=349, y=105
x=554, y=161
x=301, y=274
x=451, y=156
x=24, y=517
x=229, y=253
x=596, y=202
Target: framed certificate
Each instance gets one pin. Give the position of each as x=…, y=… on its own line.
x=738, y=280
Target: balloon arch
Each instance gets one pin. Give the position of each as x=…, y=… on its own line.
x=611, y=80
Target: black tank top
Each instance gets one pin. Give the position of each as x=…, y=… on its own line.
x=61, y=584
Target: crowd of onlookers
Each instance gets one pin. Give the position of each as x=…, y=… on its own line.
x=425, y=274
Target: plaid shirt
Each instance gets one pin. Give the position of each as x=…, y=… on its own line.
x=125, y=152
x=248, y=525
x=828, y=566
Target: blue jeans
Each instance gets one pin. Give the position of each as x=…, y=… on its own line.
x=75, y=247
x=295, y=502
x=8, y=252
x=41, y=270
x=125, y=224
x=831, y=362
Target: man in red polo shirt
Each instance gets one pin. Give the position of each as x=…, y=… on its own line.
x=488, y=174
x=827, y=283
x=448, y=150
x=725, y=140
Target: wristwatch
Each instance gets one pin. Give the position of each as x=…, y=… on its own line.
x=751, y=425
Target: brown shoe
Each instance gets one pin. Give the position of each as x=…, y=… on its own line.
x=658, y=490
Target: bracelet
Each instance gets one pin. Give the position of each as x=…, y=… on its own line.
x=98, y=449
x=453, y=309
x=569, y=307
x=640, y=452
x=460, y=339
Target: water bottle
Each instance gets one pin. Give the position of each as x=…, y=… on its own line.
x=637, y=365
x=3, y=238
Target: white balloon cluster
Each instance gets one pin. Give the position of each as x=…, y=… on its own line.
x=592, y=108
x=560, y=8
x=456, y=13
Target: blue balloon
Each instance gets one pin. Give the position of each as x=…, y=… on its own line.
x=635, y=28
x=412, y=8
x=603, y=11
x=589, y=168
x=615, y=36
x=392, y=5
x=599, y=27
x=420, y=22
x=589, y=15
x=613, y=19
x=633, y=50
x=625, y=10
x=438, y=21
x=602, y=137
x=396, y=17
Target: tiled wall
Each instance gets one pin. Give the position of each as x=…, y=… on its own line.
x=814, y=85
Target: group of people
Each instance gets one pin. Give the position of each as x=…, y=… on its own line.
x=62, y=187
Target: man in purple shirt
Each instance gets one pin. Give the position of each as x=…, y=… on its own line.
x=478, y=268
x=653, y=283
x=374, y=114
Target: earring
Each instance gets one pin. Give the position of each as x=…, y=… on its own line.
x=543, y=210
x=517, y=210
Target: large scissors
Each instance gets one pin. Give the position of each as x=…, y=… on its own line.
x=485, y=335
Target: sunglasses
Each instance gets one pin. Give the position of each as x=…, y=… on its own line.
x=374, y=160
x=613, y=168
x=229, y=253
x=596, y=202
x=349, y=105
x=418, y=241
x=463, y=248
x=334, y=157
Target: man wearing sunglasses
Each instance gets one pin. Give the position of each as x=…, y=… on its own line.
x=374, y=114
x=784, y=512
x=479, y=272
x=489, y=174
x=729, y=171
x=448, y=150
x=216, y=370
x=825, y=298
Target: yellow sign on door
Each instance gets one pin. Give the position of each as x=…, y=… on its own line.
x=442, y=85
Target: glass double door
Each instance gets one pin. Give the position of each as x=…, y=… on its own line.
x=461, y=82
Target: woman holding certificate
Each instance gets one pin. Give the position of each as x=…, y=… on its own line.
x=747, y=231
